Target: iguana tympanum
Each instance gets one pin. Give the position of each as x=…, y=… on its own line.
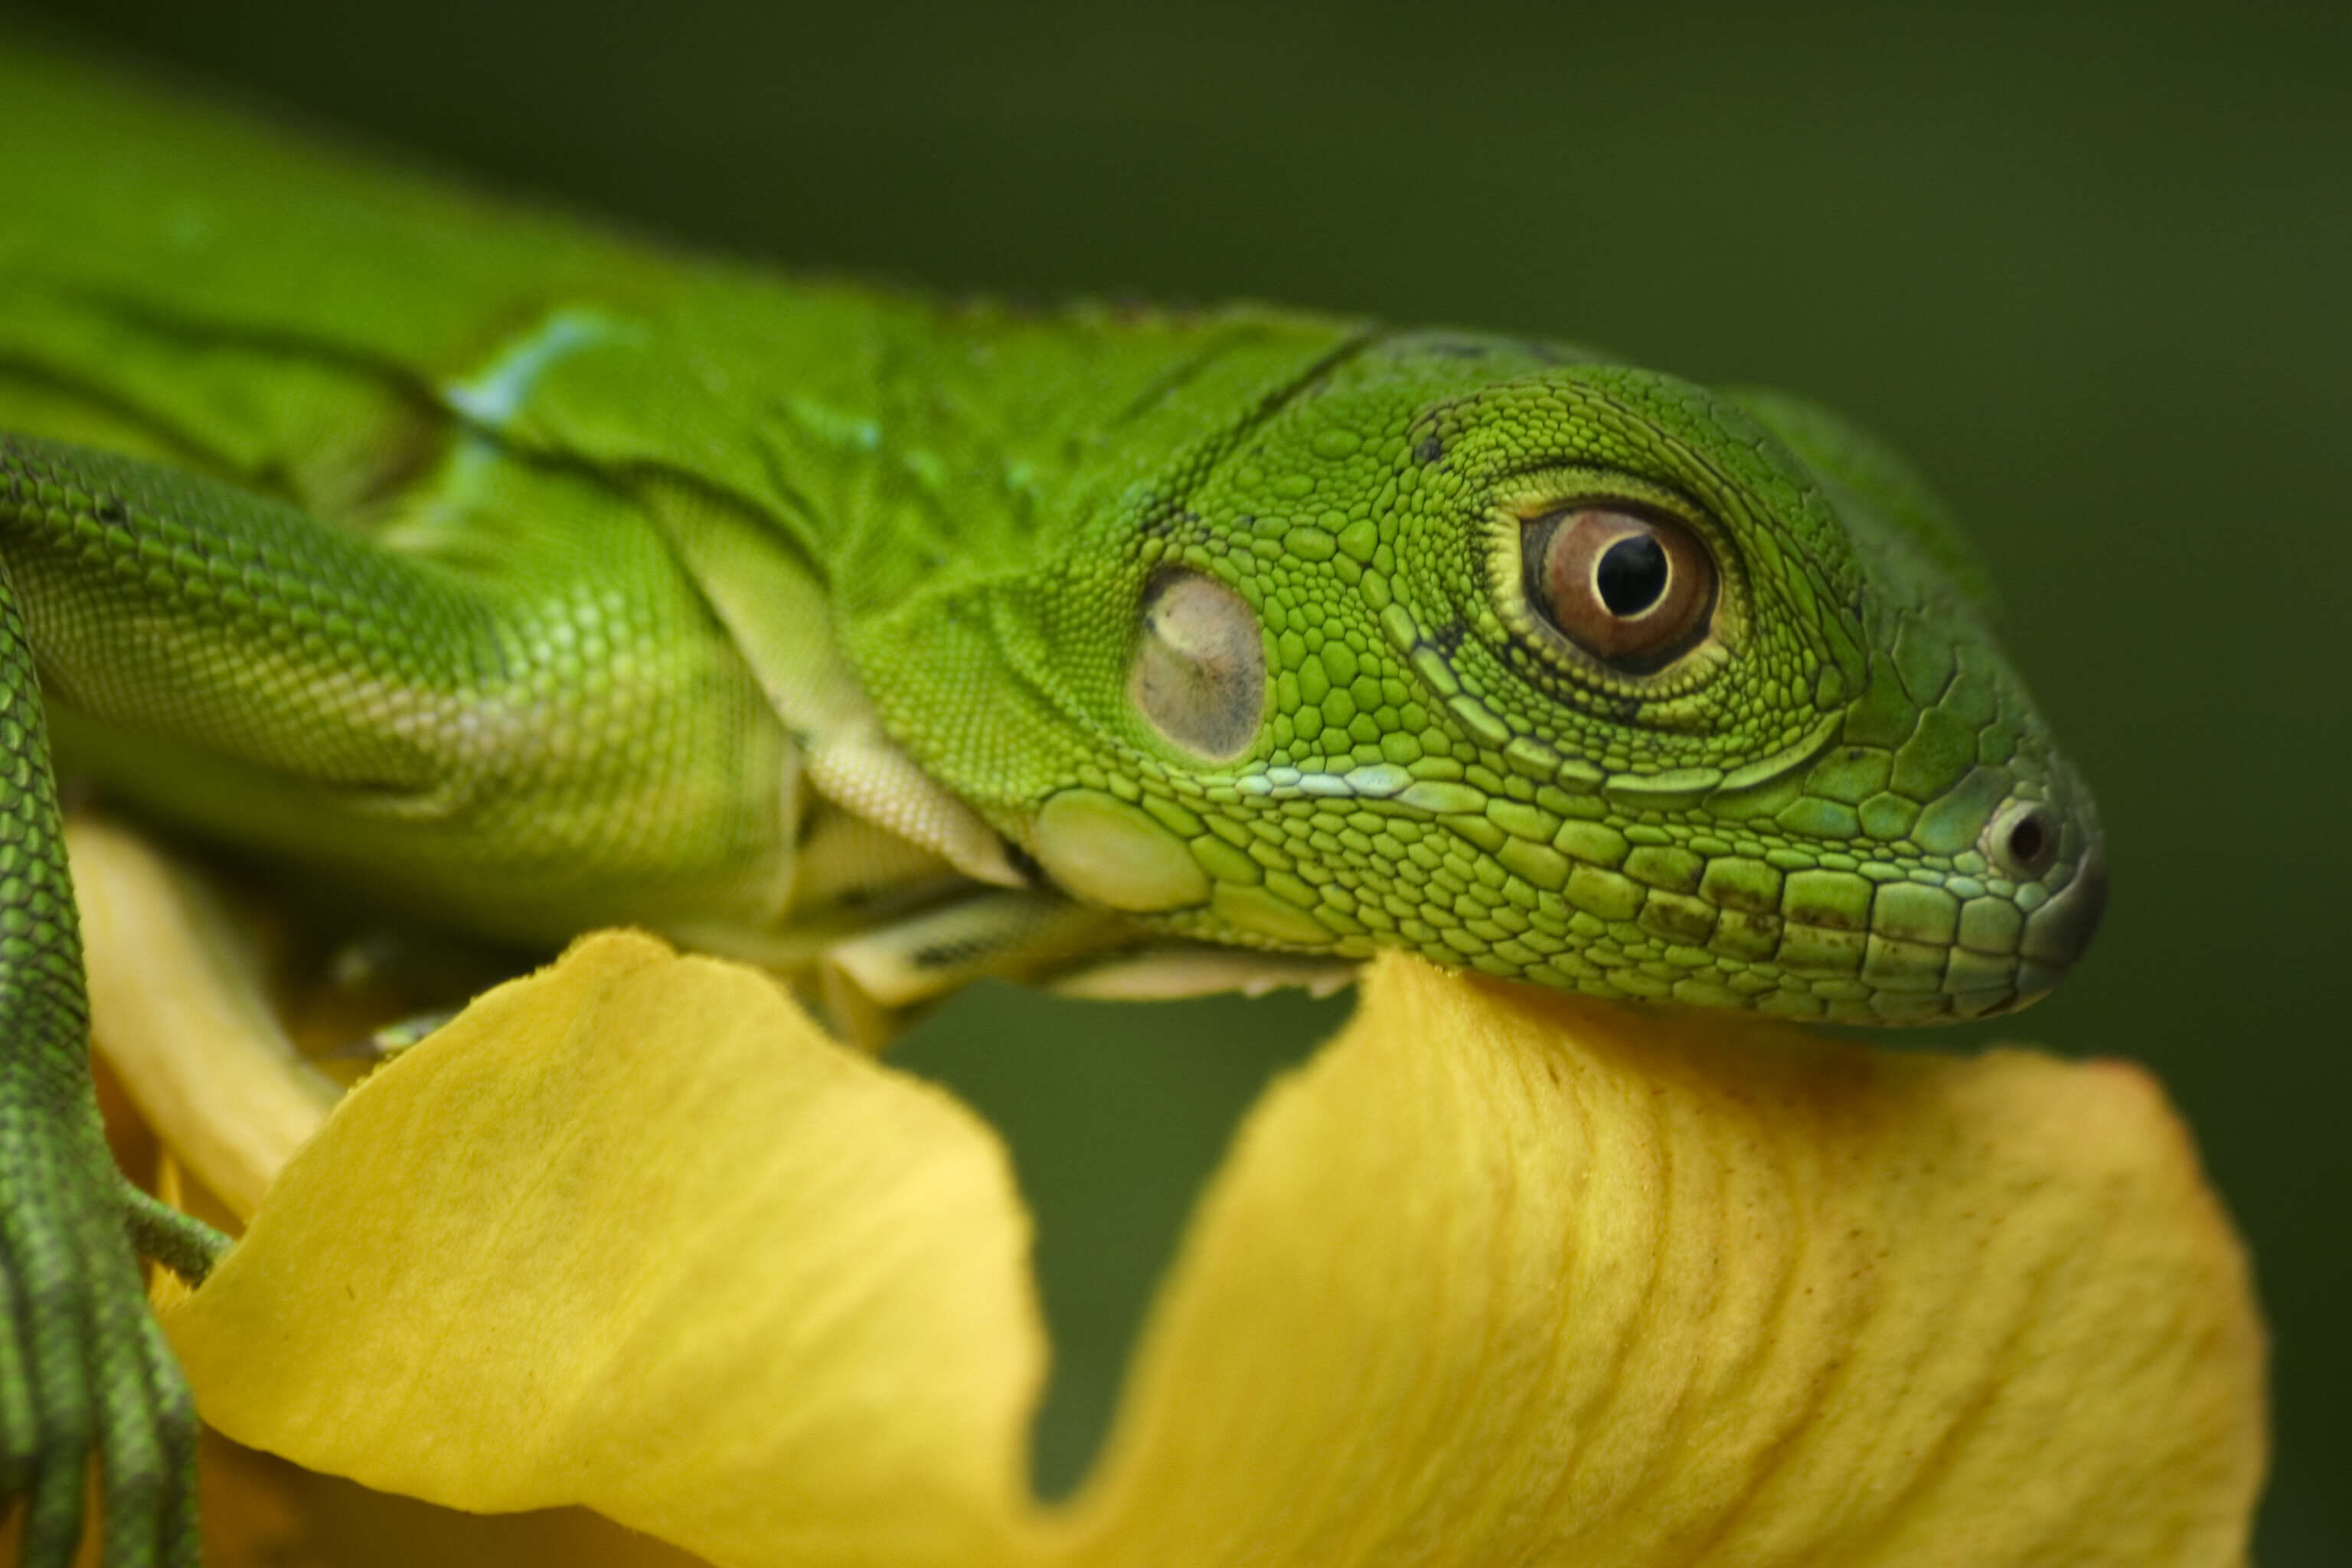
x=534, y=580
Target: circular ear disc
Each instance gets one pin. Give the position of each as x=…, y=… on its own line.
x=1199, y=675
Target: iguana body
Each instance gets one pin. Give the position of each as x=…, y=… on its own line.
x=535, y=579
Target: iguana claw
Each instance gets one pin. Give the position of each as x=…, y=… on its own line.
x=84, y=1368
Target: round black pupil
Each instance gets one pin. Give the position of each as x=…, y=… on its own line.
x=2026, y=840
x=1631, y=574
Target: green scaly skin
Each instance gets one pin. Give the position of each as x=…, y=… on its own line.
x=491, y=565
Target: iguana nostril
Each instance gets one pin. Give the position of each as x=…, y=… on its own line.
x=2025, y=840
x=2029, y=839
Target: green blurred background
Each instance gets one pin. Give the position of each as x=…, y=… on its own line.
x=2087, y=267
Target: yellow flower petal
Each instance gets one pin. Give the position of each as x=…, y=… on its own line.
x=178, y=1009
x=263, y=1512
x=1510, y=1278
x=1501, y=1277
x=632, y=1233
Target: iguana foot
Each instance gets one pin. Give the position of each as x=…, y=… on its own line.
x=84, y=1368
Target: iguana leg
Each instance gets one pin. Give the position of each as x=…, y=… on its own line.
x=509, y=710
x=83, y=1366
x=531, y=720
x=171, y=606
x=168, y=601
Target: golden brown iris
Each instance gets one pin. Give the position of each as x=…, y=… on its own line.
x=1634, y=591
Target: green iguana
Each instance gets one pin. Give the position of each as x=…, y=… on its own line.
x=534, y=580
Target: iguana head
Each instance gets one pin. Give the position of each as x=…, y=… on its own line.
x=1564, y=671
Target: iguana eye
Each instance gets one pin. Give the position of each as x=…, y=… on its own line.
x=1634, y=592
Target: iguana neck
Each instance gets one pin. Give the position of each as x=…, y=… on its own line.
x=984, y=436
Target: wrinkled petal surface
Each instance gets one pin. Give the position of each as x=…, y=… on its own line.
x=178, y=1008
x=260, y=1511
x=632, y=1233
x=1504, y=1276
x=1500, y=1277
